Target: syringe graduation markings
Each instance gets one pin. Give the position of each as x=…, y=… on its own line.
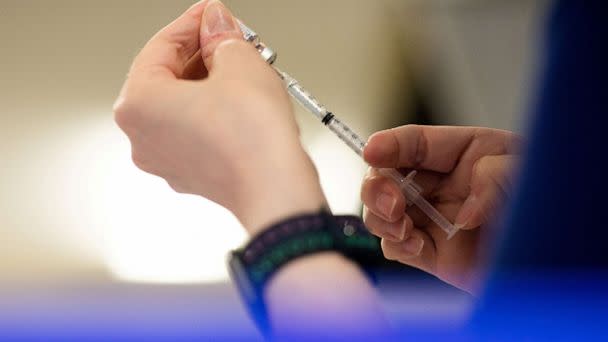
x=304, y=98
x=410, y=189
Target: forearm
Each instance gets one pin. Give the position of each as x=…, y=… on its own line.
x=324, y=295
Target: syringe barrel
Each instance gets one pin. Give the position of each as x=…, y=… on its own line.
x=350, y=138
x=306, y=100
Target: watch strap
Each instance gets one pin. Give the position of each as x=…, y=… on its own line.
x=254, y=265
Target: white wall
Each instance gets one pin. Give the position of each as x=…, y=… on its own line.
x=64, y=167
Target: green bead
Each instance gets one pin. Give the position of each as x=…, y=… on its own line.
x=284, y=248
x=311, y=242
x=295, y=246
x=277, y=256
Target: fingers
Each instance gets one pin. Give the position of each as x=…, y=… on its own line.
x=417, y=251
x=383, y=198
x=168, y=52
x=489, y=184
x=376, y=188
x=225, y=52
x=167, y=56
x=431, y=148
x=420, y=147
x=394, y=231
x=218, y=25
x=201, y=29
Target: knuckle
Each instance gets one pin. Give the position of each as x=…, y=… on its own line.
x=366, y=192
x=368, y=173
x=126, y=111
x=373, y=231
x=141, y=162
x=479, y=167
x=367, y=219
x=388, y=251
x=409, y=225
x=388, y=255
x=371, y=223
x=489, y=166
x=373, y=186
x=410, y=145
x=488, y=173
x=420, y=149
x=175, y=186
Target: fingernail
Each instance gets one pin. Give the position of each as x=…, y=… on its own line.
x=217, y=18
x=413, y=246
x=466, y=211
x=397, y=232
x=386, y=204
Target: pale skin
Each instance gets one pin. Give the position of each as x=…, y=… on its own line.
x=203, y=111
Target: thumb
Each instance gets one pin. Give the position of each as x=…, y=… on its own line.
x=217, y=26
x=489, y=187
x=223, y=48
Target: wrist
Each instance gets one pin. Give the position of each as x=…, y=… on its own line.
x=283, y=189
x=262, y=215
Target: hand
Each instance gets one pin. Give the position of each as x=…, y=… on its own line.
x=206, y=113
x=465, y=173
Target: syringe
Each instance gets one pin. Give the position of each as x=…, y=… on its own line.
x=410, y=189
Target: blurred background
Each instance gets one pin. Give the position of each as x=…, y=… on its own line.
x=84, y=233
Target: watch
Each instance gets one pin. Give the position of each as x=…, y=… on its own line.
x=252, y=266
